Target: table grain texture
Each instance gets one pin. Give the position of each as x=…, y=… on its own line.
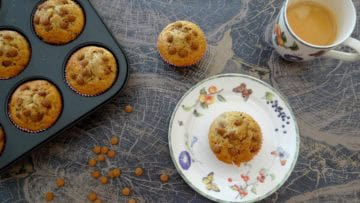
x=324, y=94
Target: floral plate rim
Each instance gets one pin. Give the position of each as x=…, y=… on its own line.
x=237, y=75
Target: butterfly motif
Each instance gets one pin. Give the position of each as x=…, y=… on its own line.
x=243, y=90
x=208, y=181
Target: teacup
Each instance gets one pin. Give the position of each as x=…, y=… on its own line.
x=291, y=47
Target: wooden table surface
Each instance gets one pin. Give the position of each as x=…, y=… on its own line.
x=324, y=94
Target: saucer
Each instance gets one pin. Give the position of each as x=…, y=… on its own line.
x=198, y=165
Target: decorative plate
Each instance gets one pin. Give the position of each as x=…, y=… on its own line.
x=197, y=164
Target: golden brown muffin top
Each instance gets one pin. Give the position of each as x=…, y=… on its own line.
x=58, y=21
x=182, y=43
x=14, y=53
x=2, y=140
x=91, y=70
x=35, y=105
x=235, y=137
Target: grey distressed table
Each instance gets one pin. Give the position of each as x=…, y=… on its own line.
x=325, y=95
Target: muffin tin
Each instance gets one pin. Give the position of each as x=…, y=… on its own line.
x=48, y=62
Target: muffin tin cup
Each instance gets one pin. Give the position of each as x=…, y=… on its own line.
x=48, y=62
x=78, y=48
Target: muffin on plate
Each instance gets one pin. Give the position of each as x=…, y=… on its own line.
x=58, y=21
x=2, y=140
x=235, y=137
x=15, y=53
x=35, y=106
x=182, y=43
x=91, y=70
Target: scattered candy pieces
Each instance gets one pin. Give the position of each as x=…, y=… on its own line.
x=92, y=196
x=104, y=149
x=139, y=171
x=125, y=191
x=128, y=109
x=60, y=182
x=103, y=180
x=95, y=174
x=49, y=196
x=92, y=162
x=111, y=154
x=164, y=178
x=114, y=140
x=96, y=149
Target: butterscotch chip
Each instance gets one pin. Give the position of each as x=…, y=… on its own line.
x=128, y=109
x=49, y=196
x=194, y=45
x=183, y=53
x=80, y=81
x=15, y=53
x=111, y=174
x=184, y=48
x=97, y=201
x=95, y=174
x=101, y=157
x=64, y=25
x=114, y=140
x=6, y=63
x=58, y=23
x=116, y=172
x=111, y=154
x=139, y=171
x=170, y=38
x=240, y=140
x=60, y=182
x=103, y=180
x=92, y=162
x=104, y=149
x=96, y=76
x=96, y=149
x=131, y=201
x=40, y=113
x=92, y=196
x=126, y=191
x=172, y=50
x=86, y=73
x=164, y=178
x=12, y=52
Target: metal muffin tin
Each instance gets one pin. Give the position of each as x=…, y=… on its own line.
x=48, y=62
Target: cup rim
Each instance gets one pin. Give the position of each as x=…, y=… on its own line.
x=319, y=46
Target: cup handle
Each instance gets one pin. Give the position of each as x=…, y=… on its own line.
x=350, y=42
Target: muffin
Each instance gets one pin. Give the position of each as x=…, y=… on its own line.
x=14, y=53
x=235, y=137
x=91, y=70
x=58, y=21
x=2, y=140
x=35, y=106
x=182, y=43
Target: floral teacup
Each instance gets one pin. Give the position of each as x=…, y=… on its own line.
x=292, y=48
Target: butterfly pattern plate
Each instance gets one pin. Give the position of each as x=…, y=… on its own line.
x=197, y=164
